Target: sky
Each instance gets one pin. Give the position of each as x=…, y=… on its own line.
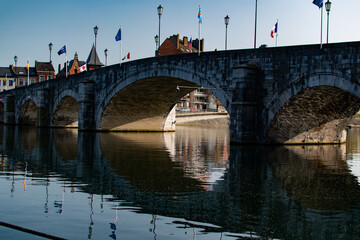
x=28, y=26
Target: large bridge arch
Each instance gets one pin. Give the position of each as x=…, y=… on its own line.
x=66, y=109
x=28, y=112
x=143, y=101
x=313, y=109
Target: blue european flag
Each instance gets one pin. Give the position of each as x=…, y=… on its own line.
x=318, y=3
x=62, y=50
x=118, y=35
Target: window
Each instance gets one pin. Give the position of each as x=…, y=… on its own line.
x=49, y=77
x=33, y=81
x=10, y=83
x=21, y=82
x=42, y=78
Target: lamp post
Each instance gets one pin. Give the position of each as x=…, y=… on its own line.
x=327, y=7
x=50, y=48
x=157, y=42
x=159, y=10
x=15, y=59
x=95, y=32
x=226, y=19
x=255, y=23
x=106, y=52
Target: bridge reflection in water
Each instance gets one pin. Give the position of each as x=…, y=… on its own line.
x=179, y=185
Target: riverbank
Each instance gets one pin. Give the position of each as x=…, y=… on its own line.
x=203, y=119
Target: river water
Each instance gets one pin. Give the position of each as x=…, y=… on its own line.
x=191, y=184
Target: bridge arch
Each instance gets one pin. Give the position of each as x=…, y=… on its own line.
x=66, y=109
x=313, y=109
x=28, y=111
x=144, y=101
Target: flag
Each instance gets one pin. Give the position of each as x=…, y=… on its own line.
x=199, y=15
x=27, y=65
x=14, y=80
x=318, y=3
x=83, y=68
x=190, y=44
x=127, y=56
x=62, y=50
x=274, y=30
x=118, y=35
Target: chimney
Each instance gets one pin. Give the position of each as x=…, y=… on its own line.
x=177, y=41
x=185, y=41
x=202, y=45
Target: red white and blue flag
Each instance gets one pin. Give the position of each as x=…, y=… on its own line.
x=190, y=44
x=127, y=56
x=274, y=30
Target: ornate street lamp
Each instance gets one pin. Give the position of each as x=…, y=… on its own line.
x=15, y=60
x=226, y=19
x=95, y=32
x=106, y=52
x=327, y=7
x=159, y=11
x=157, y=42
x=50, y=48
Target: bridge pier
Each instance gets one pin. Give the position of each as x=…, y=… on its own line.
x=43, y=106
x=86, y=105
x=245, y=123
x=9, y=110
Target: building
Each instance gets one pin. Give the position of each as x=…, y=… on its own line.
x=92, y=62
x=12, y=77
x=24, y=76
x=45, y=71
x=73, y=67
x=6, y=79
x=175, y=45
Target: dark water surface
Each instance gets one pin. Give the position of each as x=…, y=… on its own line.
x=190, y=184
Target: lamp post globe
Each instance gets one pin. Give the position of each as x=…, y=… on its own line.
x=50, y=48
x=159, y=10
x=96, y=29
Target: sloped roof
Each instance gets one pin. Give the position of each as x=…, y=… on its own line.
x=92, y=56
x=6, y=71
x=22, y=71
x=44, y=66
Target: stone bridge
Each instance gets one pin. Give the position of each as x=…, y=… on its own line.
x=291, y=95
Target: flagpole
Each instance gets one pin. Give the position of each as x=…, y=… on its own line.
x=255, y=24
x=322, y=7
x=120, y=48
x=277, y=25
x=199, y=33
x=28, y=72
x=66, y=60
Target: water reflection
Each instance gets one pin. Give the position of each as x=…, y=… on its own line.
x=173, y=185
x=322, y=180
